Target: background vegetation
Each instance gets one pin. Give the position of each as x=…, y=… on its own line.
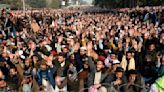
x=17, y=4
x=127, y=3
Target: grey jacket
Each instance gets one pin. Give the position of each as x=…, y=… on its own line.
x=91, y=75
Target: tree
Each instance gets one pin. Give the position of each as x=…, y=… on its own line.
x=14, y=4
x=55, y=4
x=127, y=3
x=36, y=3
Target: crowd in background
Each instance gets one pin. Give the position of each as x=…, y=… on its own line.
x=76, y=50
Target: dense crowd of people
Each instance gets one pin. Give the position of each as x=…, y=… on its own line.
x=75, y=50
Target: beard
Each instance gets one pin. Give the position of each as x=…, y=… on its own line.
x=128, y=59
x=98, y=69
x=26, y=67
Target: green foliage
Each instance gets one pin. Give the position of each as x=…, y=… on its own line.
x=127, y=3
x=162, y=3
x=17, y=4
x=14, y=4
x=55, y=4
x=43, y=3
x=4, y=5
x=36, y=3
x=142, y=2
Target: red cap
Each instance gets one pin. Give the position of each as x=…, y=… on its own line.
x=53, y=52
x=101, y=58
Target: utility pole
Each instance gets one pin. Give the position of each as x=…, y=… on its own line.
x=24, y=7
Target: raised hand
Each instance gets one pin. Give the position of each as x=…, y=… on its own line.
x=140, y=45
x=89, y=47
x=60, y=39
x=1, y=74
x=117, y=82
x=72, y=42
x=49, y=60
x=96, y=86
x=135, y=45
x=98, y=36
x=32, y=46
x=120, y=45
x=76, y=47
x=11, y=55
x=31, y=52
x=5, y=49
x=83, y=35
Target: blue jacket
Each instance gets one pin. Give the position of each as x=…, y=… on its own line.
x=49, y=75
x=79, y=61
